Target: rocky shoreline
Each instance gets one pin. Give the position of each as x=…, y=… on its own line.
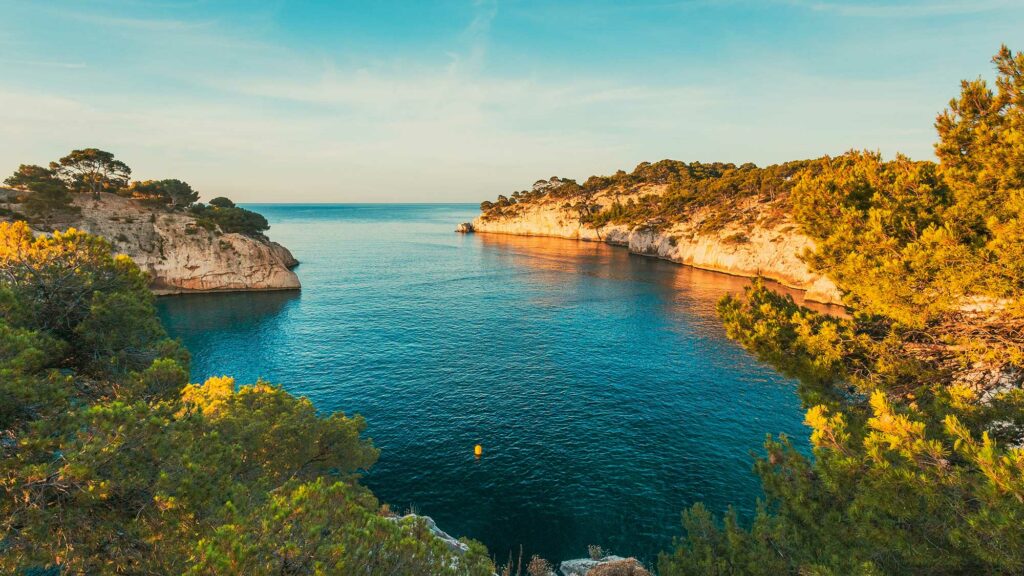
x=770, y=251
x=604, y=565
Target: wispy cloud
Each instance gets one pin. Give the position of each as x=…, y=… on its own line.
x=477, y=34
x=137, y=24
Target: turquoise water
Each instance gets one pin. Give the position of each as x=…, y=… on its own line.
x=600, y=384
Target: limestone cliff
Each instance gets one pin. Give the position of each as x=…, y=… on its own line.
x=179, y=255
x=755, y=245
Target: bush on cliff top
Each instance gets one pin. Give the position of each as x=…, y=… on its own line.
x=44, y=194
x=230, y=218
x=47, y=193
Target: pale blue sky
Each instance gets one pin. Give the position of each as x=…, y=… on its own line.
x=460, y=100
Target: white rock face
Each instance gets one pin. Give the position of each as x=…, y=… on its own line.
x=772, y=251
x=180, y=256
x=583, y=566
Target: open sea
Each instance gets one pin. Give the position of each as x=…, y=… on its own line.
x=600, y=384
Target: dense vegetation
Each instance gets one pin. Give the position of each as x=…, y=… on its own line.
x=657, y=195
x=46, y=194
x=915, y=403
x=112, y=463
x=230, y=218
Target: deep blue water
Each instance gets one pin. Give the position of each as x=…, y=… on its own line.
x=600, y=384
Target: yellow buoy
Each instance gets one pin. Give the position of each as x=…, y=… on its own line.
x=478, y=450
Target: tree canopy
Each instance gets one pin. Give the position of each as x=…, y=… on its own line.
x=222, y=202
x=91, y=170
x=230, y=218
x=46, y=194
x=168, y=192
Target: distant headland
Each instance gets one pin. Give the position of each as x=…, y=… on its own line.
x=184, y=245
x=718, y=216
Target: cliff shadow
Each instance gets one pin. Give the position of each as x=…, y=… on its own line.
x=185, y=315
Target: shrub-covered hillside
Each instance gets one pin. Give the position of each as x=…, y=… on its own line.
x=660, y=194
x=46, y=195
x=182, y=244
x=915, y=402
x=112, y=463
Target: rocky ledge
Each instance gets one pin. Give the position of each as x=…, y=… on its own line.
x=450, y=541
x=604, y=565
x=770, y=248
x=607, y=566
x=179, y=255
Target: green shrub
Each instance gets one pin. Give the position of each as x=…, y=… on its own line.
x=114, y=464
x=916, y=467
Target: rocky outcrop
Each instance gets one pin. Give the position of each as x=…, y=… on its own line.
x=607, y=566
x=179, y=255
x=450, y=541
x=284, y=255
x=771, y=247
x=464, y=228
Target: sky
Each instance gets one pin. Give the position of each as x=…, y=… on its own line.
x=461, y=100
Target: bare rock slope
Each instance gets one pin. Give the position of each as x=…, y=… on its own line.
x=181, y=256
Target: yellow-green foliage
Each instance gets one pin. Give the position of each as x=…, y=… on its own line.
x=913, y=240
x=910, y=474
x=328, y=528
x=880, y=235
x=113, y=464
x=915, y=470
